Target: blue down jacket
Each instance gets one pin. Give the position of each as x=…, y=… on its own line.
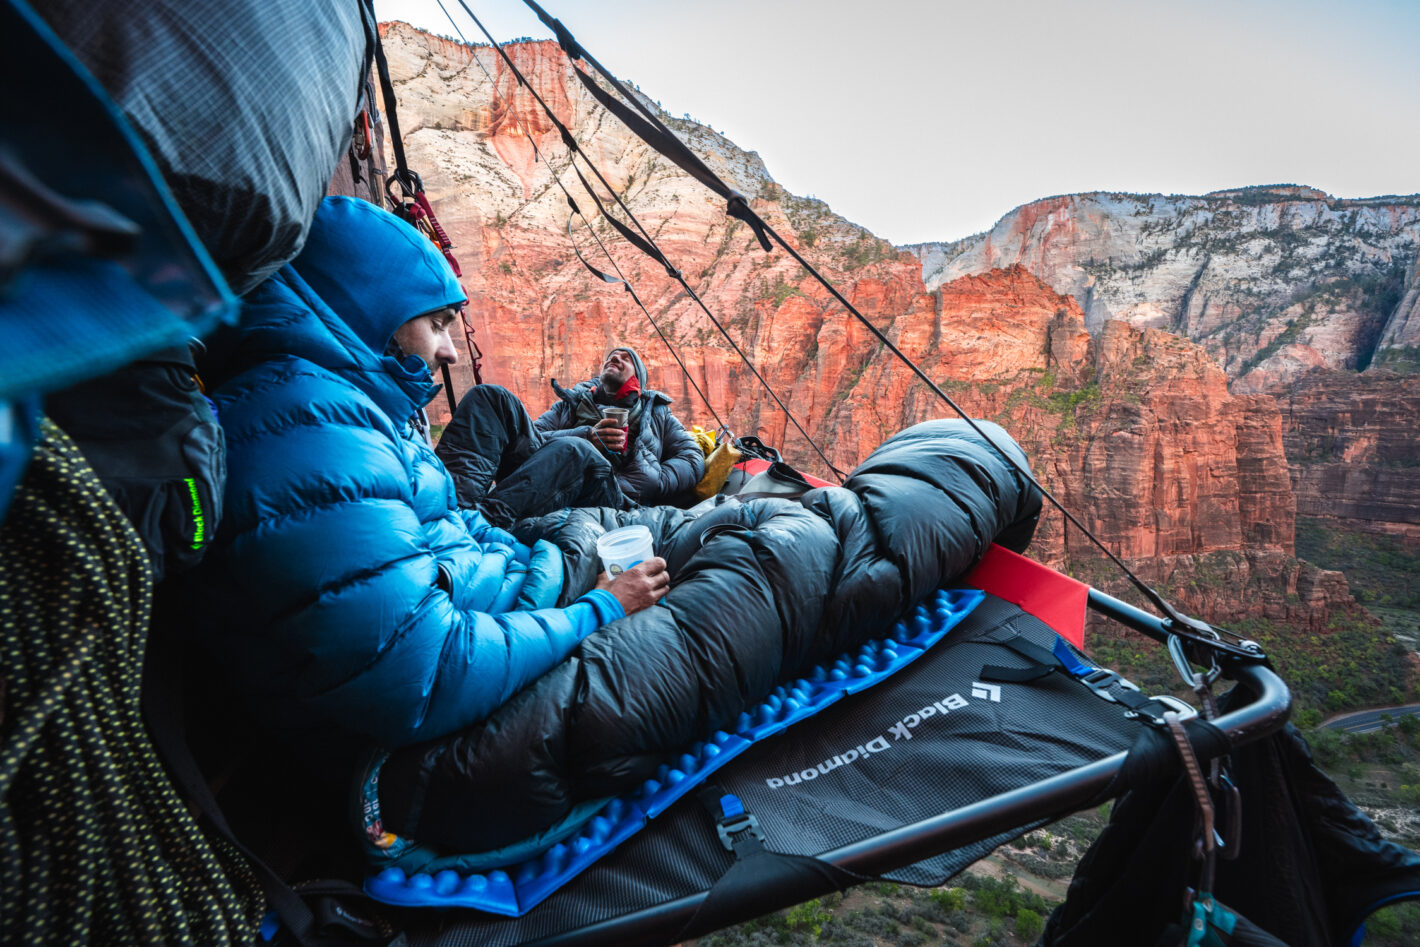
x=761, y=591
x=346, y=594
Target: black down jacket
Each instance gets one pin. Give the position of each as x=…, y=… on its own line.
x=661, y=462
x=761, y=591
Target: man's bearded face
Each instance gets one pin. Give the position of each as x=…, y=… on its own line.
x=617, y=368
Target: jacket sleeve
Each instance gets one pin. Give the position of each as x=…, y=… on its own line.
x=679, y=467
x=338, y=603
x=555, y=421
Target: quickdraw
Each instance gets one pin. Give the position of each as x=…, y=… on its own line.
x=363, y=143
x=414, y=207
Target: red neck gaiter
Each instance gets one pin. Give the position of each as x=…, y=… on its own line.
x=632, y=387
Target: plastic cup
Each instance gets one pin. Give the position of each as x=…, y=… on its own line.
x=620, y=549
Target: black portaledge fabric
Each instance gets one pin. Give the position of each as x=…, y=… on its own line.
x=979, y=748
x=245, y=105
x=762, y=883
x=1311, y=864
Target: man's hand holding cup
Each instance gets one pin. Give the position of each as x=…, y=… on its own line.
x=611, y=429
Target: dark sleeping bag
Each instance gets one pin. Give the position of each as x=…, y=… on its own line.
x=760, y=591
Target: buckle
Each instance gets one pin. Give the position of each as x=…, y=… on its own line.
x=1101, y=680
x=740, y=825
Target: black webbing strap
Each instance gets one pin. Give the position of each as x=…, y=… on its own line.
x=664, y=141
x=411, y=185
x=449, y=390
x=632, y=237
x=382, y=66
x=647, y=125
x=1042, y=661
x=760, y=880
x=631, y=291
x=1153, y=758
x=162, y=709
x=646, y=244
x=1105, y=683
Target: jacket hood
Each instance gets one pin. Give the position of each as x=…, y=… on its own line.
x=372, y=269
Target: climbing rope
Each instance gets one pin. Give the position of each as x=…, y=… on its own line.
x=95, y=844
x=605, y=277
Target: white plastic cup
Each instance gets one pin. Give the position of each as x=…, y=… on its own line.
x=620, y=549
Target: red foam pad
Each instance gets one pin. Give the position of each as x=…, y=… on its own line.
x=1055, y=599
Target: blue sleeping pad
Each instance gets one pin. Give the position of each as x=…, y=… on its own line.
x=515, y=889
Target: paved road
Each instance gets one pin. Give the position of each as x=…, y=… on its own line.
x=1367, y=720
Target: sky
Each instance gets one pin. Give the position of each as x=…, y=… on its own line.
x=930, y=119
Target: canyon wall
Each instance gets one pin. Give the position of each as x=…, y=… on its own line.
x=1272, y=281
x=1115, y=367
x=1301, y=296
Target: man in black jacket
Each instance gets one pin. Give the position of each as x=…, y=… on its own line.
x=655, y=460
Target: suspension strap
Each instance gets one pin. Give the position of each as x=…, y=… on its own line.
x=642, y=240
x=1206, y=843
x=608, y=278
x=1104, y=683
x=647, y=125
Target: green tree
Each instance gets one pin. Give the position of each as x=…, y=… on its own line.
x=1029, y=925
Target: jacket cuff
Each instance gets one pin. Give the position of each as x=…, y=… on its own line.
x=584, y=430
x=606, y=606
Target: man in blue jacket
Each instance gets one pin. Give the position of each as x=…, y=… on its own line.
x=347, y=595
x=474, y=689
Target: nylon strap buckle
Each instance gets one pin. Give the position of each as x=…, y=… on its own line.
x=734, y=831
x=1107, y=684
x=739, y=830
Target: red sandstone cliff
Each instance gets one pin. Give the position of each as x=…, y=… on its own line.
x=1134, y=429
x=1355, y=450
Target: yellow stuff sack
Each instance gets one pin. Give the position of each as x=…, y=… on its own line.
x=720, y=458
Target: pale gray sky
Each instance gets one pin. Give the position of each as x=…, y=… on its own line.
x=930, y=119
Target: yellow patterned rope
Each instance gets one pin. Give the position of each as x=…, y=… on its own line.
x=96, y=846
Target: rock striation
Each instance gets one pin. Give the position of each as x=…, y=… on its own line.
x=1354, y=450
x=1272, y=281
